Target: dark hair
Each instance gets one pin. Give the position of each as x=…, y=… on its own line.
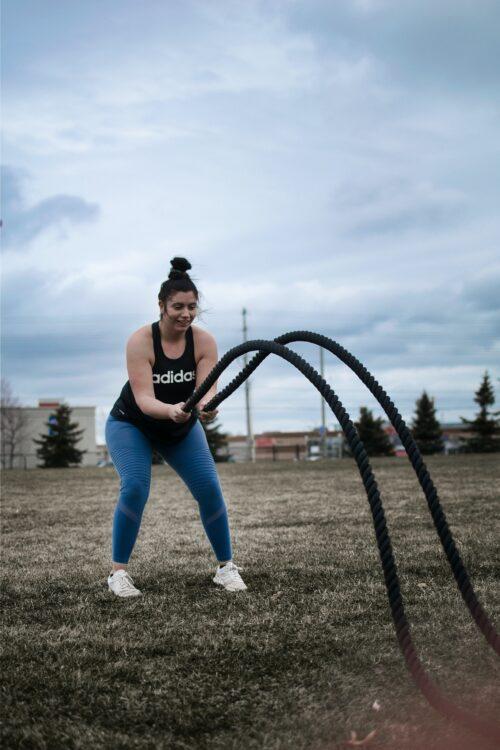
x=178, y=281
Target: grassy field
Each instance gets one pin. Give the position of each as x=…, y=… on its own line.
x=296, y=661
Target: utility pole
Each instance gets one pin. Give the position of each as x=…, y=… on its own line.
x=250, y=439
x=323, y=421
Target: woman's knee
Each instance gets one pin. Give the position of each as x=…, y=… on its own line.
x=134, y=490
x=208, y=489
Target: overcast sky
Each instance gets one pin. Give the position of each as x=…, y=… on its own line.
x=331, y=166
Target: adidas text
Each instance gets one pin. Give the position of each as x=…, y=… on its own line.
x=171, y=377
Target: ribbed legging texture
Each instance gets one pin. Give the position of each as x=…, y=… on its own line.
x=131, y=452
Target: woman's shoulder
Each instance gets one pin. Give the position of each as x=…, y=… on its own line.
x=201, y=333
x=203, y=341
x=141, y=340
x=202, y=336
x=144, y=333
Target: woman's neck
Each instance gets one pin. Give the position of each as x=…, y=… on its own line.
x=169, y=334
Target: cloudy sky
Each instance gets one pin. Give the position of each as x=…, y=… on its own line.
x=331, y=166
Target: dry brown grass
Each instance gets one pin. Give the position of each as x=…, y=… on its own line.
x=297, y=661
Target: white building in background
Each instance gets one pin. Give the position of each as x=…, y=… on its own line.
x=36, y=424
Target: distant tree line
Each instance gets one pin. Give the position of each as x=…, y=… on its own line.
x=58, y=445
x=483, y=431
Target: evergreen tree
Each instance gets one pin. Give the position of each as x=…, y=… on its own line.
x=426, y=429
x=58, y=446
x=483, y=428
x=216, y=440
x=372, y=435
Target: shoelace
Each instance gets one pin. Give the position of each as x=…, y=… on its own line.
x=233, y=572
x=125, y=582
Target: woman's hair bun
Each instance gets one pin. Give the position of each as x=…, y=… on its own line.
x=180, y=264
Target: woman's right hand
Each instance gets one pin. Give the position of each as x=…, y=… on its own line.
x=176, y=413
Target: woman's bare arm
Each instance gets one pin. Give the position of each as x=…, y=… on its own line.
x=208, y=359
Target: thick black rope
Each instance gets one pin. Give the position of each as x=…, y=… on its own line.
x=459, y=571
x=429, y=689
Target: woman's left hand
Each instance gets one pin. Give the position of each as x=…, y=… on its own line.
x=206, y=416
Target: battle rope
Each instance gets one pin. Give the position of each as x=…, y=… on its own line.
x=459, y=571
x=429, y=689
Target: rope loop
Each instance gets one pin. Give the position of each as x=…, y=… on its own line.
x=264, y=348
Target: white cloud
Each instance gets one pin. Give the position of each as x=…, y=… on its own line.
x=298, y=156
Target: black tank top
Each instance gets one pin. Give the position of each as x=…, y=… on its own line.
x=174, y=381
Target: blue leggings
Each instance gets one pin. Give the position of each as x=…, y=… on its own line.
x=131, y=453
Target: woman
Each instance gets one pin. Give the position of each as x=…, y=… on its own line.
x=165, y=363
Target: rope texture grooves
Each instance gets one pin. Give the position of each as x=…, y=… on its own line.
x=459, y=571
x=429, y=689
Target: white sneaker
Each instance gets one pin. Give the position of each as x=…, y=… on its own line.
x=121, y=584
x=229, y=577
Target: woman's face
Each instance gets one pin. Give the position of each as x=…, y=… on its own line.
x=181, y=309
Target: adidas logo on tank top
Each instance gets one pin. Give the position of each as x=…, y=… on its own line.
x=174, y=377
